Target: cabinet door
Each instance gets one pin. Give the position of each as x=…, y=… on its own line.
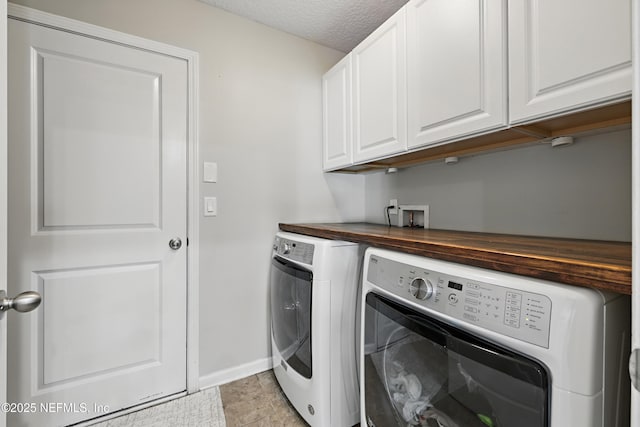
x=567, y=55
x=379, y=91
x=336, y=105
x=456, y=59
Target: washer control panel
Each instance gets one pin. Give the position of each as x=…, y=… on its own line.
x=421, y=289
x=512, y=312
x=293, y=250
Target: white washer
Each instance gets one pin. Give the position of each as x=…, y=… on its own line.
x=457, y=346
x=313, y=292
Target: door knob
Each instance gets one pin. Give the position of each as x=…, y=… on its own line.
x=23, y=303
x=175, y=243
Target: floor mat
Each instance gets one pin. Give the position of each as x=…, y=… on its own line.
x=199, y=409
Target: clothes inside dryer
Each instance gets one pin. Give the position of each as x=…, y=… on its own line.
x=420, y=371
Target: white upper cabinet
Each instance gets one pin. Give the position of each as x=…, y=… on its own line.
x=379, y=91
x=441, y=71
x=567, y=55
x=336, y=124
x=456, y=60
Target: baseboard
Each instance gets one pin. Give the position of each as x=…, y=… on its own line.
x=235, y=373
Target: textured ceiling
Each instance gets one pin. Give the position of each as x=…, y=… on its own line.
x=340, y=24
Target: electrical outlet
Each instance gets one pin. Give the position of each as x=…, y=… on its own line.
x=394, y=203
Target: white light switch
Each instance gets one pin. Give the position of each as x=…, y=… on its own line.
x=210, y=206
x=210, y=172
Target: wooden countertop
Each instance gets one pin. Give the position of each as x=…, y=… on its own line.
x=590, y=263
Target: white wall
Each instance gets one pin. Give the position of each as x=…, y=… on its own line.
x=577, y=191
x=260, y=120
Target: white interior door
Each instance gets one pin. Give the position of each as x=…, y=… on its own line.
x=97, y=190
x=3, y=203
x=635, y=294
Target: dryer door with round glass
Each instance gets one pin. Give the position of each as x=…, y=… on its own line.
x=421, y=371
x=291, y=314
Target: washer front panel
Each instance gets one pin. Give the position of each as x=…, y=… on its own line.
x=516, y=313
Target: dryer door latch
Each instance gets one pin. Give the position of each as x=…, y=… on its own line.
x=634, y=366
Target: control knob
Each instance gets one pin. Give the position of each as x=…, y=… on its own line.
x=420, y=288
x=286, y=249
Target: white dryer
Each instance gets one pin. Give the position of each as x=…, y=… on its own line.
x=314, y=291
x=449, y=345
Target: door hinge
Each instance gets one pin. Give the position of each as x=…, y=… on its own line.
x=634, y=365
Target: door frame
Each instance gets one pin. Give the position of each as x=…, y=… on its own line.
x=193, y=193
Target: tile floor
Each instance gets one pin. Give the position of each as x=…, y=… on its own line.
x=257, y=401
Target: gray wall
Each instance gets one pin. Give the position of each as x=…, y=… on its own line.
x=260, y=120
x=577, y=191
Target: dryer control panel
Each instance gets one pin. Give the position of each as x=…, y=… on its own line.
x=293, y=250
x=509, y=311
